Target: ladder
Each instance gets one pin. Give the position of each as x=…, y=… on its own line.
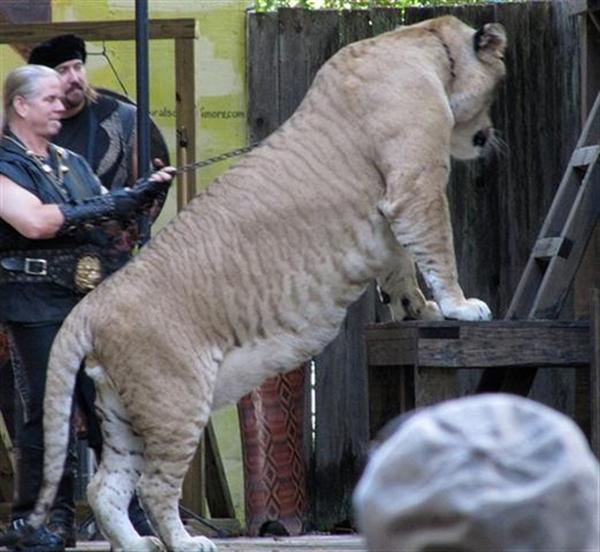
x=558, y=250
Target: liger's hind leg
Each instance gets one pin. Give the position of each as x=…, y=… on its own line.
x=159, y=490
x=168, y=452
x=112, y=487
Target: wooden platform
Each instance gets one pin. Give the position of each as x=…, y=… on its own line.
x=318, y=543
x=414, y=364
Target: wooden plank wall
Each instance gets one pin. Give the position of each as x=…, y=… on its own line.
x=497, y=204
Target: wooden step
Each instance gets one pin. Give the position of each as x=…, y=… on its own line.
x=546, y=248
x=585, y=156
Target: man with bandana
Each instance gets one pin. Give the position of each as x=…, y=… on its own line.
x=98, y=127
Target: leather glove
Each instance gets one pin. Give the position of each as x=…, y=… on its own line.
x=121, y=204
x=146, y=192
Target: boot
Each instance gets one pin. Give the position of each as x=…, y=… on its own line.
x=23, y=538
x=62, y=525
x=29, y=463
x=61, y=521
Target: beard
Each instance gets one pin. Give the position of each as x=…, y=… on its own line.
x=74, y=97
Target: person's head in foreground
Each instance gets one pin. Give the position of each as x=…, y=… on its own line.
x=487, y=473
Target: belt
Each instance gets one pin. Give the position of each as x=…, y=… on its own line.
x=80, y=269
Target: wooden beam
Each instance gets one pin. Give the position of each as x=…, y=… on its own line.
x=582, y=157
x=495, y=344
x=588, y=275
x=97, y=30
x=185, y=117
x=194, y=486
x=434, y=351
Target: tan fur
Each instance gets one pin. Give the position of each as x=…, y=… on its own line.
x=256, y=274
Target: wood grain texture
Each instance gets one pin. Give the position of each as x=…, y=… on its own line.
x=97, y=30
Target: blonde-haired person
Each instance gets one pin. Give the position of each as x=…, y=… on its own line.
x=53, y=249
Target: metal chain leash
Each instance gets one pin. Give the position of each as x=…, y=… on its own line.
x=216, y=159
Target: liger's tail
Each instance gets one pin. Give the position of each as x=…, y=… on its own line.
x=71, y=345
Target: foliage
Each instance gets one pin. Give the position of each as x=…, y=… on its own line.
x=269, y=5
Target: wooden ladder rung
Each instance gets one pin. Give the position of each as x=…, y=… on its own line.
x=558, y=251
x=585, y=156
x=546, y=248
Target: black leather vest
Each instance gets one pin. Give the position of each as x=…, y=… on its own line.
x=79, y=183
x=29, y=300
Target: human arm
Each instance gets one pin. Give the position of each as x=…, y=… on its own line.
x=26, y=213
x=36, y=220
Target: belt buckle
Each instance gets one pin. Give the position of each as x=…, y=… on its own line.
x=36, y=267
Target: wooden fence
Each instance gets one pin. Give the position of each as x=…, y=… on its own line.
x=497, y=204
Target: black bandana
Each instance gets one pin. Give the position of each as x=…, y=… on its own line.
x=57, y=50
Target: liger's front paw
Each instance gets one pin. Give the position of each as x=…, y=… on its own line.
x=468, y=309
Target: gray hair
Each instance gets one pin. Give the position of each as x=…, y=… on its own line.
x=25, y=82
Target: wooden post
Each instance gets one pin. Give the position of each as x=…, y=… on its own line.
x=391, y=386
x=194, y=486
x=391, y=392
x=588, y=276
x=595, y=372
x=185, y=94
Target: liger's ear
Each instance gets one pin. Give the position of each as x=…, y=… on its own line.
x=490, y=41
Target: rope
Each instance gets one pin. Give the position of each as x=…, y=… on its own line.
x=104, y=53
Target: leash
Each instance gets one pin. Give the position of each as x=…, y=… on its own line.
x=216, y=159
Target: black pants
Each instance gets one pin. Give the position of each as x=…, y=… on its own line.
x=85, y=396
x=30, y=349
x=30, y=345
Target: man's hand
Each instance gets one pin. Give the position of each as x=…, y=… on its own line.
x=155, y=187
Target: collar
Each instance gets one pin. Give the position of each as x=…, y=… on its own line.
x=451, y=62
